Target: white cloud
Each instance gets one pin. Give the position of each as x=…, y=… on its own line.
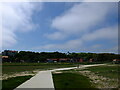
x=16, y=17
x=107, y=33
x=110, y=33
x=70, y=45
x=56, y=36
x=97, y=46
x=80, y=19
x=9, y=38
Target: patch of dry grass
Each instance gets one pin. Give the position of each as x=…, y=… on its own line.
x=100, y=81
x=25, y=73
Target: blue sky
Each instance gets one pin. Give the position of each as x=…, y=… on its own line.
x=60, y=26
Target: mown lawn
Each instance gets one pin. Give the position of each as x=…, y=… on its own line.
x=9, y=68
x=71, y=80
x=12, y=83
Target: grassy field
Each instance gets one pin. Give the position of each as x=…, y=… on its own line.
x=76, y=78
x=10, y=68
x=71, y=80
x=105, y=76
x=12, y=83
x=109, y=71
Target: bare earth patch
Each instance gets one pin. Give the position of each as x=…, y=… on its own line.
x=57, y=72
x=100, y=81
x=26, y=73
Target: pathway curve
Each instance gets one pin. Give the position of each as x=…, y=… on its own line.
x=44, y=78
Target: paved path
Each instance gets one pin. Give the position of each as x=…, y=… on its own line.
x=80, y=67
x=62, y=69
x=41, y=80
x=84, y=66
x=44, y=78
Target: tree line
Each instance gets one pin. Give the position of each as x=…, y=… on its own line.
x=28, y=56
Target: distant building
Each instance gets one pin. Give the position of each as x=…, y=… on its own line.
x=71, y=60
x=9, y=53
x=52, y=60
x=4, y=57
x=63, y=60
x=91, y=60
x=80, y=60
x=116, y=61
x=58, y=60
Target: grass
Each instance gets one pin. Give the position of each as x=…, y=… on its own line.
x=9, y=68
x=89, y=63
x=67, y=79
x=106, y=71
x=109, y=72
x=12, y=83
x=36, y=64
x=71, y=80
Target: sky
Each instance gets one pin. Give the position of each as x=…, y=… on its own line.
x=60, y=26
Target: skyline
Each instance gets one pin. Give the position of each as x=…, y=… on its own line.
x=74, y=27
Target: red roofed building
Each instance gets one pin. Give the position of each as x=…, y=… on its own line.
x=9, y=53
x=81, y=60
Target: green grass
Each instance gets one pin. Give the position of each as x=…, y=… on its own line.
x=106, y=71
x=12, y=83
x=71, y=80
x=90, y=63
x=9, y=68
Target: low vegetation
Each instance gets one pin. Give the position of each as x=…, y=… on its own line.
x=11, y=68
x=12, y=83
x=104, y=76
x=28, y=56
x=71, y=80
x=108, y=71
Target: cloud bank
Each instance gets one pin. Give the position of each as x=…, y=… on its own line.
x=108, y=33
x=16, y=17
x=81, y=20
x=86, y=21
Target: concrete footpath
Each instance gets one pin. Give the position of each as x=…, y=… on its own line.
x=44, y=78
x=41, y=80
x=62, y=69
